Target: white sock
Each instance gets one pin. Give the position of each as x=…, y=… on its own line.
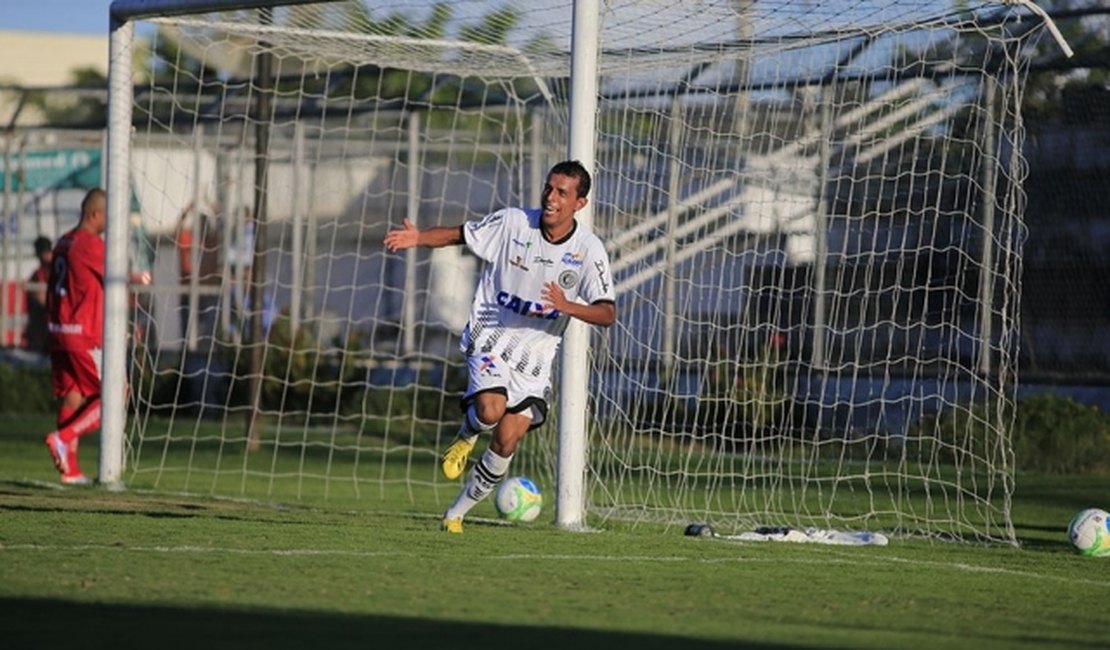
x=472, y=426
x=485, y=476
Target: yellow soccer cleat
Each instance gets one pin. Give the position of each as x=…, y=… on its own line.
x=454, y=459
x=453, y=525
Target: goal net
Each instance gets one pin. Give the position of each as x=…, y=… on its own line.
x=813, y=210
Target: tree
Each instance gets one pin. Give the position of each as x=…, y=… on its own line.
x=1062, y=89
x=83, y=105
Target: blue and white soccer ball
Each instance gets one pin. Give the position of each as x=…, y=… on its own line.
x=518, y=499
x=1089, y=532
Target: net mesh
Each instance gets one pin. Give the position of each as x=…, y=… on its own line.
x=814, y=214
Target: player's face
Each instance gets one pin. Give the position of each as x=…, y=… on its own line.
x=560, y=202
x=101, y=222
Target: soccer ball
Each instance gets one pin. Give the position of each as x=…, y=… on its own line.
x=1089, y=532
x=518, y=499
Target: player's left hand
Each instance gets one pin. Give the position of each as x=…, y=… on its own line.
x=554, y=297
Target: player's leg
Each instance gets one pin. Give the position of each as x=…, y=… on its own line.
x=68, y=407
x=482, y=413
x=63, y=385
x=525, y=409
x=85, y=420
x=483, y=406
x=76, y=379
x=489, y=470
x=86, y=374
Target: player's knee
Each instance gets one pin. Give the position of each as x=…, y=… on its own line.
x=489, y=412
x=73, y=400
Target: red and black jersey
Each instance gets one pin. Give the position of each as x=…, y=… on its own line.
x=75, y=296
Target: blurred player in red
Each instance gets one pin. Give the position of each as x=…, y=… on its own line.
x=75, y=304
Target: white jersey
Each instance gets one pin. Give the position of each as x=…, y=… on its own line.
x=509, y=323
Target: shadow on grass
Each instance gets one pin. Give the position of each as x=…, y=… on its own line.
x=34, y=623
x=1042, y=538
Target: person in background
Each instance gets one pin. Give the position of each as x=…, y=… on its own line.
x=75, y=318
x=35, y=336
x=240, y=257
x=208, y=272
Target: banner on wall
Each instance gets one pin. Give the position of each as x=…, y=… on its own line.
x=52, y=169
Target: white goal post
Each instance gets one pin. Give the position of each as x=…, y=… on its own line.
x=814, y=213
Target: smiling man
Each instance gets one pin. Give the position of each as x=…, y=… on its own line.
x=541, y=269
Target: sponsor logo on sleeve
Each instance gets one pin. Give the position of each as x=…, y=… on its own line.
x=488, y=220
x=601, y=275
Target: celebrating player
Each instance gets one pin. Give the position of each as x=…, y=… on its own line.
x=75, y=303
x=541, y=269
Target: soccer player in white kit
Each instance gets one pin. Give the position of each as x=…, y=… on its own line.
x=541, y=269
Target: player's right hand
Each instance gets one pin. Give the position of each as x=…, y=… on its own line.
x=406, y=237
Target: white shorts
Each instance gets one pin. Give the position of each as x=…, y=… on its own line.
x=526, y=393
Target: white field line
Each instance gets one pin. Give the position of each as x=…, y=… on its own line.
x=825, y=559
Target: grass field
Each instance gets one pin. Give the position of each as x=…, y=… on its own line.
x=85, y=567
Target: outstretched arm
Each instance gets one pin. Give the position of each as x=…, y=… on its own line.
x=409, y=236
x=599, y=313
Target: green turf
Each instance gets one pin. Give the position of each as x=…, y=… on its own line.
x=83, y=567
x=818, y=483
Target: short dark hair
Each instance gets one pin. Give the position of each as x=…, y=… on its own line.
x=43, y=244
x=574, y=169
x=94, y=199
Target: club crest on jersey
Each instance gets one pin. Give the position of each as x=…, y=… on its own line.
x=519, y=305
x=568, y=279
x=572, y=259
